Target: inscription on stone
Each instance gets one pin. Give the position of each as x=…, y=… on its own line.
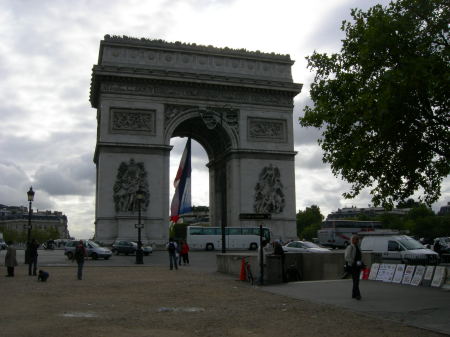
x=191, y=92
x=132, y=120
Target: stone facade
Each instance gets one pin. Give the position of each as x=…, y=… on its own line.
x=236, y=104
x=16, y=218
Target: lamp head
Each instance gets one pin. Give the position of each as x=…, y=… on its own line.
x=140, y=194
x=30, y=194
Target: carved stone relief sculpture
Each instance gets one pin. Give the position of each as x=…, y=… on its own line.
x=211, y=116
x=131, y=177
x=262, y=129
x=132, y=120
x=269, y=196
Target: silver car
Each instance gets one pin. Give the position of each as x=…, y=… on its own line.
x=93, y=249
x=304, y=247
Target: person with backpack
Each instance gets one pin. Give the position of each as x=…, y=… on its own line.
x=80, y=254
x=172, y=249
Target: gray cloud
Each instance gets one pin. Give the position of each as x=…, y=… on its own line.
x=328, y=34
x=75, y=176
x=310, y=157
x=14, y=184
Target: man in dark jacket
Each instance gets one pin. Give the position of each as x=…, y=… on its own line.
x=33, y=257
x=80, y=254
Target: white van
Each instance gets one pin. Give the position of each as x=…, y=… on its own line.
x=398, y=247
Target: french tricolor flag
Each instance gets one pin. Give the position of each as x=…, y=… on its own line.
x=181, y=202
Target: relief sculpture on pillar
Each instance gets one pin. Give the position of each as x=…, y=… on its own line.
x=269, y=196
x=131, y=177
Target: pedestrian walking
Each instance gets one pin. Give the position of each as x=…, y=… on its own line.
x=353, y=258
x=10, y=259
x=79, y=256
x=33, y=257
x=278, y=250
x=179, y=244
x=266, y=250
x=185, y=252
x=172, y=249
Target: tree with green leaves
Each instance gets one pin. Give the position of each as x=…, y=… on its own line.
x=308, y=222
x=383, y=101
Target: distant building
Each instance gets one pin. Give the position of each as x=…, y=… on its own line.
x=16, y=217
x=352, y=212
x=445, y=210
x=199, y=214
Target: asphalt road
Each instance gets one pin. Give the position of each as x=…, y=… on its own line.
x=199, y=260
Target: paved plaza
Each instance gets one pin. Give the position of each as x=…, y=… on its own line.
x=118, y=298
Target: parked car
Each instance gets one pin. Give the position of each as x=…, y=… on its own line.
x=147, y=250
x=94, y=250
x=397, y=247
x=129, y=247
x=304, y=247
x=444, y=243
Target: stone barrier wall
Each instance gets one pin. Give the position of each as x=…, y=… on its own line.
x=311, y=267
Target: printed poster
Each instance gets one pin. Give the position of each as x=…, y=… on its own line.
x=398, y=275
x=439, y=277
x=386, y=272
x=381, y=275
x=408, y=275
x=418, y=276
x=374, y=271
x=429, y=273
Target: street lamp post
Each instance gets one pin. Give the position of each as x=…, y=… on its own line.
x=139, y=226
x=30, y=195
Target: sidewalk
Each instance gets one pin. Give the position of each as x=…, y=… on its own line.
x=426, y=308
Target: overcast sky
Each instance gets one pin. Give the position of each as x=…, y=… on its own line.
x=48, y=128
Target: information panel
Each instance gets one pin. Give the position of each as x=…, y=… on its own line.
x=373, y=271
x=408, y=275
x=418, y=275
x=398, y=275
x=439, y=277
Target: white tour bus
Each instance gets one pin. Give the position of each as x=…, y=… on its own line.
x=337, y=233
x=210, y=238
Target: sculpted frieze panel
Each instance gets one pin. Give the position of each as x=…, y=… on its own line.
x=184, y=60
x=198, y=93
x=140, y=121
x=269, y=195
x=264, y=129
x=131, y=177
x=211, y=116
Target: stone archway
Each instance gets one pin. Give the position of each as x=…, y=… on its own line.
x=236, y=104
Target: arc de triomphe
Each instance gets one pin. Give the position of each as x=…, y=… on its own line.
x=237, y=104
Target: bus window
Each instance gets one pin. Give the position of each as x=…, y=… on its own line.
x=209, y=231
x=196, y=231
x=233, y=231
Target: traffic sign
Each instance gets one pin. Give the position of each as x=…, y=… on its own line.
x=255, y=216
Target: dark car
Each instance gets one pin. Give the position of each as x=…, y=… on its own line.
x=128, y=247
x=123, y=247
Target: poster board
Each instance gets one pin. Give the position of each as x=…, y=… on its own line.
x=428, y=277
x=439, y=276
x=381, y=272
x=386, y=272
x=374, y=271
x=408, y=275
x=398, y=275
x=418, y=276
